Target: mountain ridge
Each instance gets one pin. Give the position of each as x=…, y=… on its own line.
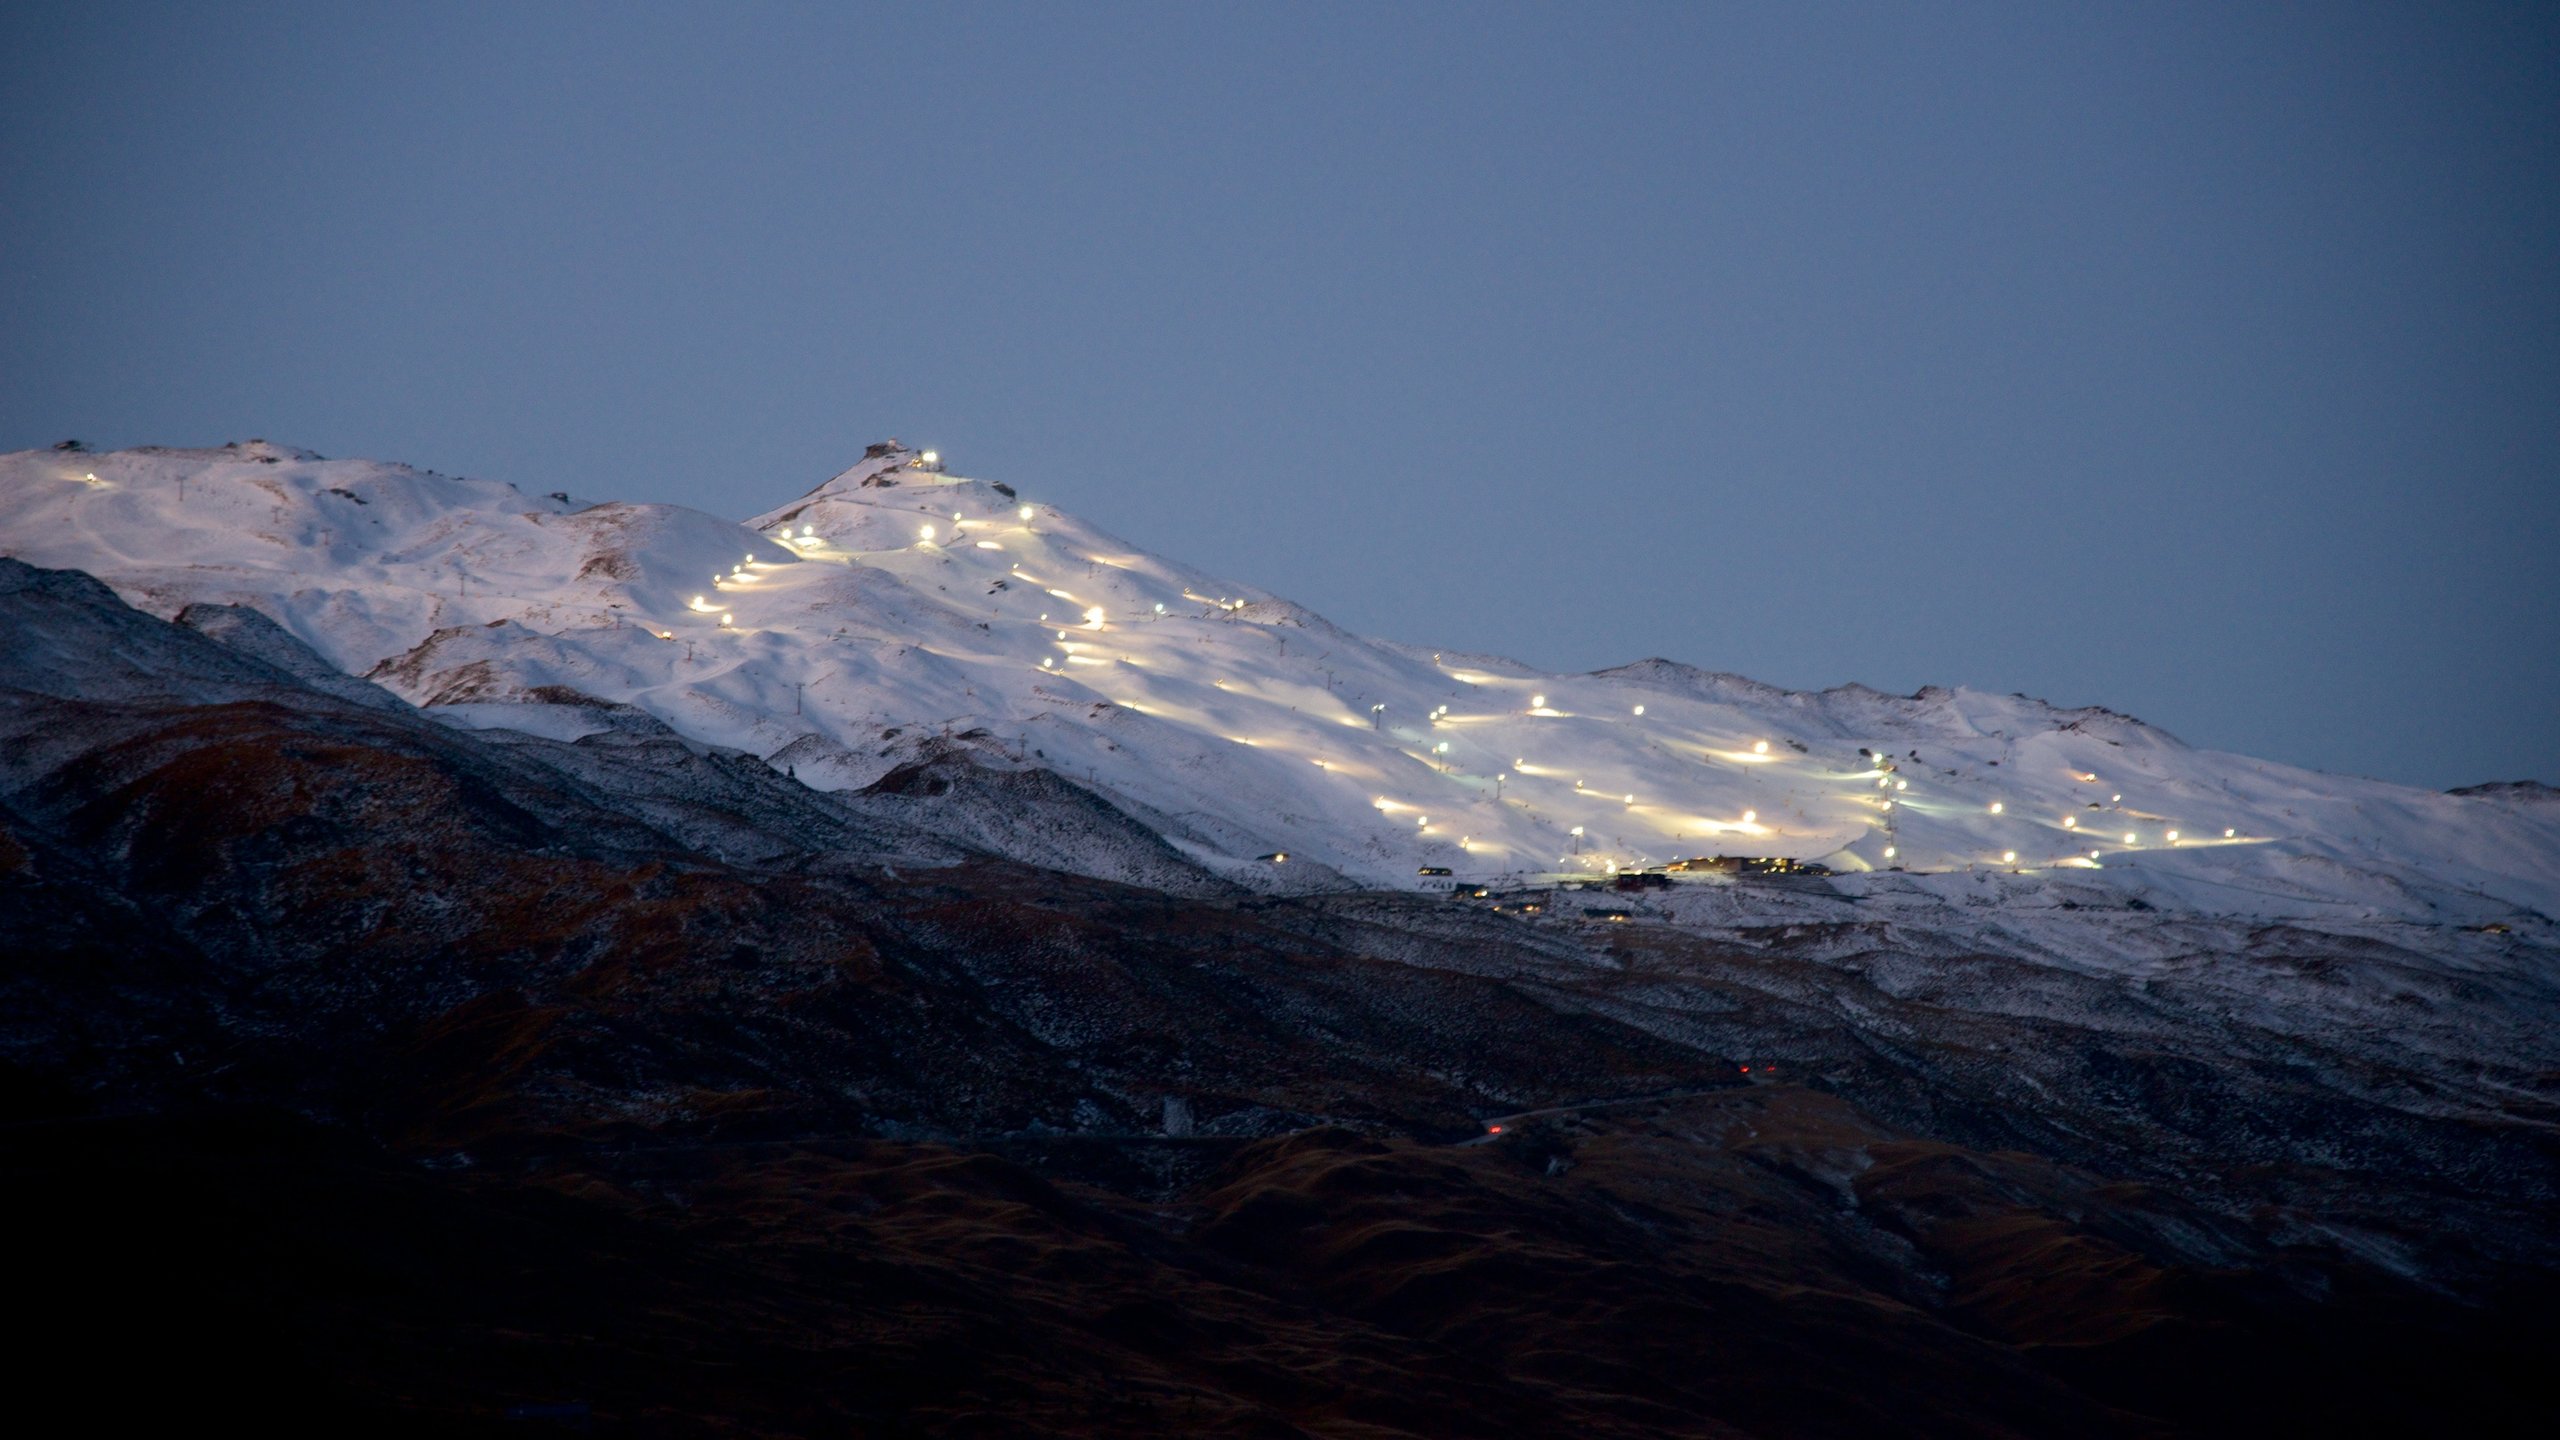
x=895, y=596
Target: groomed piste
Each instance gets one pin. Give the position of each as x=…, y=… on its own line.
x=899, y=608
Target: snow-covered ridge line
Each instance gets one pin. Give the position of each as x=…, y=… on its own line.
x=897, y=601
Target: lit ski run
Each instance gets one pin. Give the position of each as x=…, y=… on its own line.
x=899, y=606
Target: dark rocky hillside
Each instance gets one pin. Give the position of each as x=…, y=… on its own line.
x=364, y=1075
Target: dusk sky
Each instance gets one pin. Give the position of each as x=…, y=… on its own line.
x=2200, y=361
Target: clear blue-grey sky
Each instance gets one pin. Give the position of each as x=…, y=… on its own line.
x=2202, y=361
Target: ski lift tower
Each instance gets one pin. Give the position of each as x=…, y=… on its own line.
x=1885, y=771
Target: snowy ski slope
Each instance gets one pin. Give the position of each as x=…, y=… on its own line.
x=895, y=604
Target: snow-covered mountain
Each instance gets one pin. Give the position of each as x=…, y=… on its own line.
x=613, y=901
x=897, y=609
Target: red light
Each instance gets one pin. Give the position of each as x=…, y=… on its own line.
x=1746, y=1069
x=1494, y=1129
